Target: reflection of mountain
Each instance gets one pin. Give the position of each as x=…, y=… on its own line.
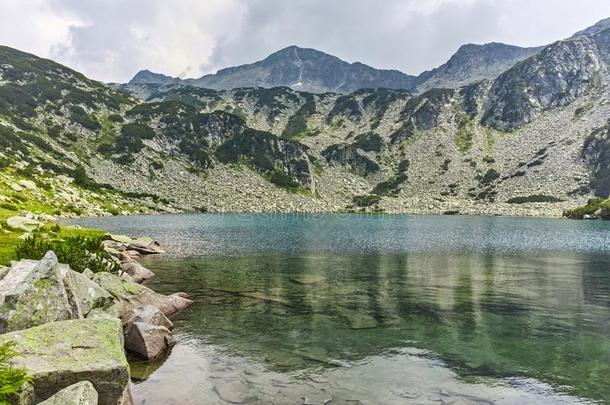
x=483, y=315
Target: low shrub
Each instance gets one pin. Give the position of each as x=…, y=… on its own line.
x=536, y=198
x=595, y=206
x=366, y=200
x=283, y=180
x=78, y=252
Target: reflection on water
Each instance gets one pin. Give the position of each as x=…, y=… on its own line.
x=338, y=308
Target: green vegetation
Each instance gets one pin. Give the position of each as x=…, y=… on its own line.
x=77, y=251
x=283, y=180
x=390, y=186
x=490, y=176
x=297, y=124
x=11, y=379
x=463, y=136
x=130, y=139
x=346, y=106
x=369, y=142
x=595, y=207
x=536, y=198
x=80, y=116
x=596, y=152
x=267, y=154
x=366, y=200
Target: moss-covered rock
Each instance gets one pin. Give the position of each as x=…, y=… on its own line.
x=59, y=354
x=130, y=295
x=33, y=293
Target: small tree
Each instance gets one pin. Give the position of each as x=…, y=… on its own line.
x=11, y=378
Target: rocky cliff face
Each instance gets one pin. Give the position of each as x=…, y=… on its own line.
x=555, y=77
x=472, y=63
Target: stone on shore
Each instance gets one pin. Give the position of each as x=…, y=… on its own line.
x=145, y=245
x=63, y=353
x=33, y=293
x=23, y=224
x=149, y=341
x=81, y=393
x=130, y=295
x=87, y=294
x=136, y=271
x=125, y=240
x=147, y=314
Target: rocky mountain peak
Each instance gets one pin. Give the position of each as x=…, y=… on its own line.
x=598, y=27
x=146, y=76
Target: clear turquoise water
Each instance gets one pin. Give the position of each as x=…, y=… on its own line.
x=380, y=309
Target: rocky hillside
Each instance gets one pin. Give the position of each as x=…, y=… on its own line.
x=530, y=142
x=47, y=113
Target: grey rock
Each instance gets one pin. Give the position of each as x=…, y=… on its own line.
x=82, y=393
x=147, y=314
x=130, y=295
x=23, y=223
x=33, y=293
x=136, y=271
x=149, y=341
x=59, y=354
x=145, y=245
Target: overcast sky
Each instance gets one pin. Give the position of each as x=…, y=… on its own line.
x=111, y=40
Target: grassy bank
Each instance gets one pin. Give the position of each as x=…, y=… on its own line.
x=9, y=241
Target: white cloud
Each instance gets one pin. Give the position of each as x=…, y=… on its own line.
x=34, y=26
x=111, y=40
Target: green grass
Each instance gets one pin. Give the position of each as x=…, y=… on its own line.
x=465, y=133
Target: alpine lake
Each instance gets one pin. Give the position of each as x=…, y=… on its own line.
x=378, y=309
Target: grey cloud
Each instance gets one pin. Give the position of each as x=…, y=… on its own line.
x=111, y=40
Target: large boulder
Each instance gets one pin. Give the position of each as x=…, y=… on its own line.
x=145, y=245
x=23, y=223
x=122, y=239
x=63, y=353
x=130, y=295
x=36, y=292
x=147, y=314
x=33, y=293
x=149, y=341
x=136, y=271
x=82, y=393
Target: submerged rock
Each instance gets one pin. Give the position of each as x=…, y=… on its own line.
x=81, y=393
x=149, y=341
x=60, y=354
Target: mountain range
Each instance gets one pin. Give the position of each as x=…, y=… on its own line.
x=513, y=131
x=310, y=70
